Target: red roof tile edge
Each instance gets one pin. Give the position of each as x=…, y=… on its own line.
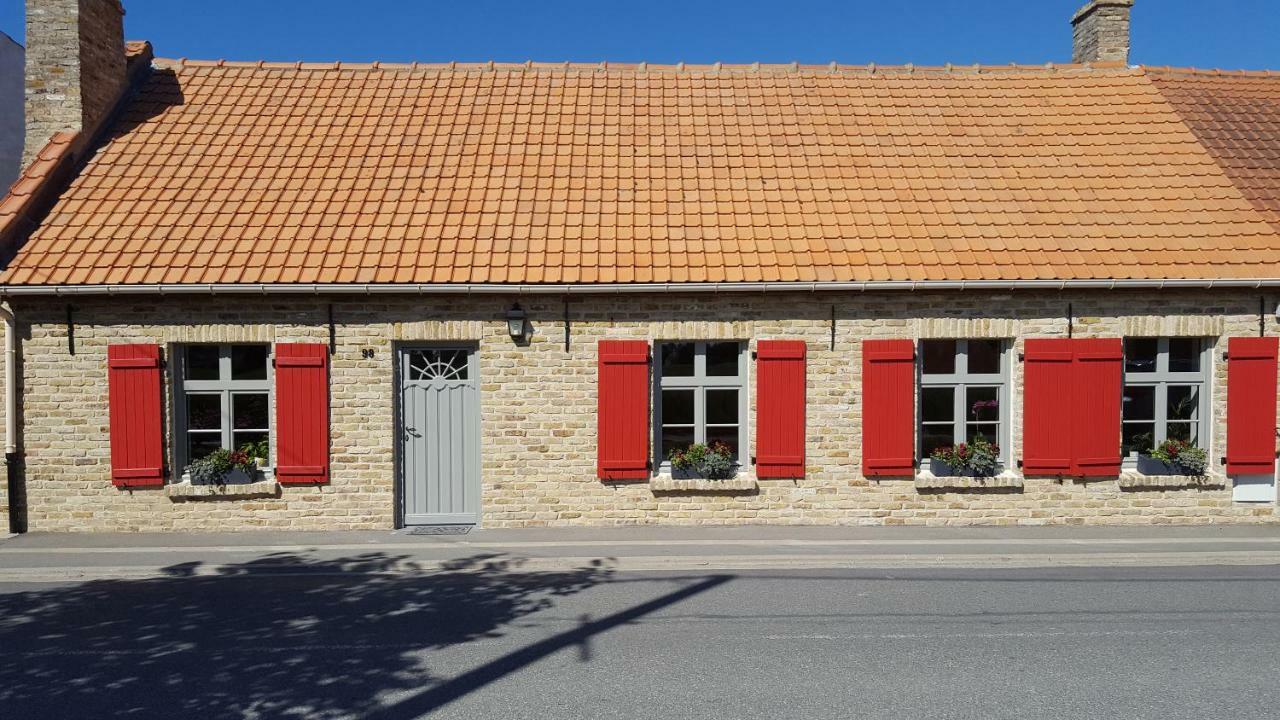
x=181, y=63
x=19, y=206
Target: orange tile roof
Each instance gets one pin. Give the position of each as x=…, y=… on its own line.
x=326, y=173
x=1236, y=116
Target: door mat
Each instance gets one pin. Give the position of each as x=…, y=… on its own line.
x=441, y=530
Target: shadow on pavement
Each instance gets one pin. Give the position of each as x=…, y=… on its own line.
x=281, y=636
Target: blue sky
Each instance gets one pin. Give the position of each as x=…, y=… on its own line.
x=1203, y=33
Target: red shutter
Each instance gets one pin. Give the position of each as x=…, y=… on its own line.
x=1251, y=405
x=623, y=411
x=780, y=395
x=133, y=389
x=1046, y=408
x=302, y=413
x=888, y=407
x=1097, y=389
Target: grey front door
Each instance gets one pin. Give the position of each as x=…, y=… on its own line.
x=440, y=435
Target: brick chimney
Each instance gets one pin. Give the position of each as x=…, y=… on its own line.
x=75, y=67
x=1101, y=31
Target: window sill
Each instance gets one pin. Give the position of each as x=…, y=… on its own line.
x=926, y=480
x=1130, y=479
x=742, y=483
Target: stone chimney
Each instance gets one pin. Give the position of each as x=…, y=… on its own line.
x=1101, y=31
x=75, y=67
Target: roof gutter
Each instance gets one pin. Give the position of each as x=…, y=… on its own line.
x=618, y=288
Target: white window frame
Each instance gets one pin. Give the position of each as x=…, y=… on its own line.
x=962, y=379
x=700, y=382
x=1161, y=378
x=225, y=387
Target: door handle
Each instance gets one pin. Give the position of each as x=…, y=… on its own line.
x=412, y=432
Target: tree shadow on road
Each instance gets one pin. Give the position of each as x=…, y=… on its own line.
x=281, y=636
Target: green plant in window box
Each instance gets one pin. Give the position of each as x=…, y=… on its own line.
x=979, y=458
x=257, y=451
x=220, y=465
x=714, y=461
x=1174, y=457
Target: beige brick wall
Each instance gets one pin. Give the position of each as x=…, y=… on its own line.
x=538, y=406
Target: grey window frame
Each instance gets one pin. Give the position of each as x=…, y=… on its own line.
x=700, y=382
x=1161, y=378
x=961, y=379
x=223, y=386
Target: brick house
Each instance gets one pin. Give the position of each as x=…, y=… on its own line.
x=505, y=295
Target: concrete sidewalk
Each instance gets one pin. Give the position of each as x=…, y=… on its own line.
x=38, y=557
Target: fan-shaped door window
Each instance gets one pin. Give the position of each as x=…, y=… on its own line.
x=438, y=364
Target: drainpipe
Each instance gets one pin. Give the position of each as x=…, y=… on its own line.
x=13, y=464
x=10, y=381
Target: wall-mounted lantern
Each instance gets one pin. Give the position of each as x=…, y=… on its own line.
x=517, y=323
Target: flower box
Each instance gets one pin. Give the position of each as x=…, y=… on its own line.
x=235, y=476
x=690, y=474
x=1148, y=465
x=940, y=468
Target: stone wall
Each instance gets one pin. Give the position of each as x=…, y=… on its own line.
x=539, y=406
x=75, y=66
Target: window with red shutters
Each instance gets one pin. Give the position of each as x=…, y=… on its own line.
x=133, y=390
x=1071, y=406
x=302, y=413
x=623, y=410
x=1251, y=405
x=888, y=407
x=780, y=408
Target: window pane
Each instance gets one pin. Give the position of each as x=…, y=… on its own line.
x=1184, y=402
x=675, y=439
x=1137, y=438
x=677, y=407
x=939, y=357
x=726, y=435
x=677, y=359
x=201, y=444
x=933, y=437
x=1183, y=431
x=1140, y=354
x=1139, y=402
x=202, y=362
x=722, y=359
x=244, y=437
x=204, y=412
x=983, y=403
x=984, y=357
x=987, y=431
x=249, y=411
x=937, y=404
x=1184, y=355
x=722, y=407
x=249, y=362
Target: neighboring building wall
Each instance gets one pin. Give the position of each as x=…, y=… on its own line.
x=11, y=111
x=539, y=406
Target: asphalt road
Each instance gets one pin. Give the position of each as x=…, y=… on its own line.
x=499, y=642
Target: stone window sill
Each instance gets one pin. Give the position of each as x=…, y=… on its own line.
x=1135, y=480
x=740, y=483
x=926, y=480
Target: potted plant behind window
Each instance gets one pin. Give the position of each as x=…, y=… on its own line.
x=1174, y=457
x=979, y=458
x=713, y=462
